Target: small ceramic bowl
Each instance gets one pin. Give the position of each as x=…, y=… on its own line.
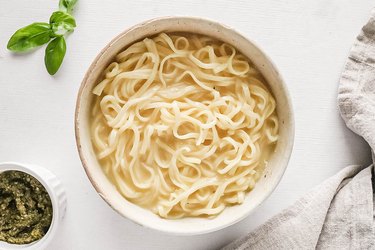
x=277, y=163
x=58, y=199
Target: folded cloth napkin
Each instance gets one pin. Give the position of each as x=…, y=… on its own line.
x=339, y=213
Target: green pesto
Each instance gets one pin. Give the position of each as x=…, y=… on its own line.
x=25, y=208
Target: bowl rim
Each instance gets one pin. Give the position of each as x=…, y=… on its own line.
x=33, y=170
x=99, y=190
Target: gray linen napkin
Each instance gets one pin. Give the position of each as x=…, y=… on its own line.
x=339, y=213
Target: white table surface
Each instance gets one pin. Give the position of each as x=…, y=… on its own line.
x=308, y=40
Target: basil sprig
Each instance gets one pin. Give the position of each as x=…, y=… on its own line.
x=61, y=23
x=54, y=55
x=34, y=35
x=67, y=5
x=29, y=37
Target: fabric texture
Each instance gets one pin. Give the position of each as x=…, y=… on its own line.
x=339, y=213
x=356, y=97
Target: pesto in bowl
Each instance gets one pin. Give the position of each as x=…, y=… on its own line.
x=25, y=208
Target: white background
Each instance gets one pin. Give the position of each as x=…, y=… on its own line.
x=308, y=40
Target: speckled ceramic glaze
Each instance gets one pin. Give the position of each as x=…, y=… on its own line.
x=277, y=163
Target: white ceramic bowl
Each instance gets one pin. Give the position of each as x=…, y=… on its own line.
x=277, y=163
x=58, y=199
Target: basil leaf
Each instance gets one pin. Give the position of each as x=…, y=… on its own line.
x=29, y=37
x=55, y=53
x=67, y=5
x=61, y=23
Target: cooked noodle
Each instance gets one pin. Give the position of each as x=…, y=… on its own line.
x=183, y=125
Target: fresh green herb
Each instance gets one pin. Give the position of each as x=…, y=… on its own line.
x=67, y=5
x=61, y=22
x=29, y=37
x=54, y=55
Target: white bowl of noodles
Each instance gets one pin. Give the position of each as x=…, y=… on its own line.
x=183, y=125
